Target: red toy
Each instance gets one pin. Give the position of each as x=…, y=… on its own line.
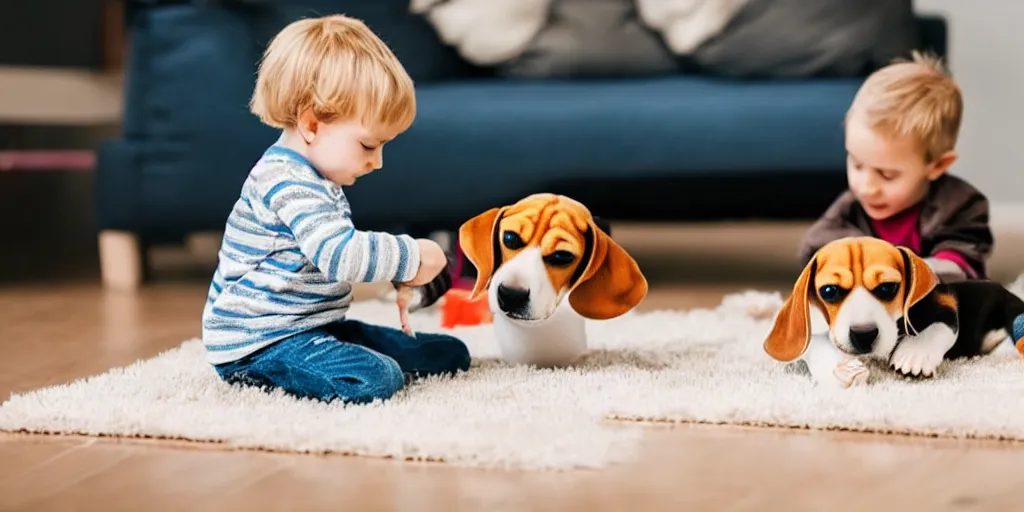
x=459, y=310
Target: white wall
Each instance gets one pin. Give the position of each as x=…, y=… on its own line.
x=987, y=57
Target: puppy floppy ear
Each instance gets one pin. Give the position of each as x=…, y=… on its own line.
x=610, y=283
x=478, y=238
x=791, y=332
x=919, y=279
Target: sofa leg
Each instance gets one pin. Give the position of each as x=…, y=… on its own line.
x=121, y=260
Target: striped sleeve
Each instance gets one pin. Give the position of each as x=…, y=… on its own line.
x=322, y=226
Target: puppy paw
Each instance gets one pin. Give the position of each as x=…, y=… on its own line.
x=852, y=372
x=913, y=358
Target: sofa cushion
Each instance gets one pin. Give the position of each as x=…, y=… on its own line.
x=489, y=142
x=835, y=38
x=592, y=38
x=425, y=57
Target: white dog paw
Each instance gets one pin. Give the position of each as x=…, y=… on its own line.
x=852, y=372
x=916, y=358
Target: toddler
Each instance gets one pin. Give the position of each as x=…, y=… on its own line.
x=275, y=316
x=901, y=132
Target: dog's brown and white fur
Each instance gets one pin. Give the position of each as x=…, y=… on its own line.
x=883, y=301
x=546, y=266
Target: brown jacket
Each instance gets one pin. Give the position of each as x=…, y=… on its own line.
x=954, y=217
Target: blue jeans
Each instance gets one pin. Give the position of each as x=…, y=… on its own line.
x=348, y=360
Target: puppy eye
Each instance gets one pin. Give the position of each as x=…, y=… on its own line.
x=560, y=258
x=512, y=240
x=886, y=291
x=831, y=293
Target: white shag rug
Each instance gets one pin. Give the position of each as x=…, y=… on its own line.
x=703, y=365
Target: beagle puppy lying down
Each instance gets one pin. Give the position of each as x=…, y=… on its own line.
x=546, y=266
x=884, y=302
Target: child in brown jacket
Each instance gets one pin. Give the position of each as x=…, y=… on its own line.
x=901, y=133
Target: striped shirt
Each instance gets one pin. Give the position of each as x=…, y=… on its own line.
x=288, y=258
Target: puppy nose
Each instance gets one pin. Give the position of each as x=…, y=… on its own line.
x=512, y=299
x=862, y=337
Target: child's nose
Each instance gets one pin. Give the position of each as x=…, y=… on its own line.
x=871, y=185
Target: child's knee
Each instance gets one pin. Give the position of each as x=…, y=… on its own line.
x=380, y=379
x=392, y=378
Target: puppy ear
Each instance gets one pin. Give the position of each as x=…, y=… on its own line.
x=478, y=238
x=610, y=283
x=791, y=332
x=920, y=280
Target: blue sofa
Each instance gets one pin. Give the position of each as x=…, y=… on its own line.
x=679, y=147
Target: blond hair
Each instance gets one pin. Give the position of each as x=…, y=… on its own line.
x=337, y=67
x=916, y=98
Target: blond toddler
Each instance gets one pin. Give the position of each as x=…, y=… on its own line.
x=901, y=132
x=276, y=316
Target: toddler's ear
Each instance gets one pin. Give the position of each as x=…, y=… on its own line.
x=308, y=125
x=941, y=165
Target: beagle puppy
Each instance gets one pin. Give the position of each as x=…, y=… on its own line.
x=883, y=301
x=546, y=266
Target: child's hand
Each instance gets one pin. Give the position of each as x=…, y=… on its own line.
x=432, y=262
x=432, y=280
x=435, y=289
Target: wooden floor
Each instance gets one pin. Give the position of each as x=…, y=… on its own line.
x=54, y=333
